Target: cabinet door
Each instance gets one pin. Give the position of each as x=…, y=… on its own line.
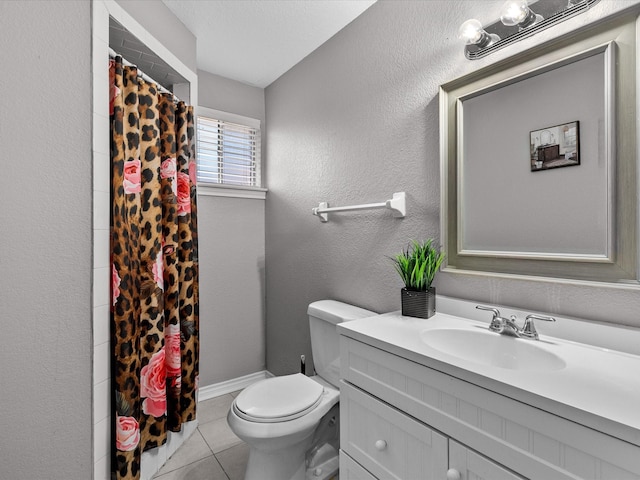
x=351, y=470
x=386, y=442
x=472, y=466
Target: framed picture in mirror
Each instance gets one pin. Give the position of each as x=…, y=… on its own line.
x=555, y=147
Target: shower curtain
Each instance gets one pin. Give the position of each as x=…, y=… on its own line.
x=154, y=253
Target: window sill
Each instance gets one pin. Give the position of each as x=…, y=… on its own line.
x=255, y=193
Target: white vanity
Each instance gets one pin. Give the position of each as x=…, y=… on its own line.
x=445, y=398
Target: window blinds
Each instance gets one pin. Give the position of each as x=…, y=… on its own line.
x=228, y=153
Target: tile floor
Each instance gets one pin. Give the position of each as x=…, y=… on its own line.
x=213, y=452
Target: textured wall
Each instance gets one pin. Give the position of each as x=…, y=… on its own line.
x=356, y=121
x=45, y=246
x=232, y=257
x=230, y=96
x=232, y=327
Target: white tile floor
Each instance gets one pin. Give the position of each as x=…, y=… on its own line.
x=213, y=452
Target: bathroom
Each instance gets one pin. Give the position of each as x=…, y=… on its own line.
x=353, y=122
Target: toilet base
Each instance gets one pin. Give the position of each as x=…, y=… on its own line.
x=274, y=466
x=278, y=465
x=327, y=470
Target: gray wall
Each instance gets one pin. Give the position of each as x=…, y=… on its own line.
x=230, y=96
x=232, y=257
x=356, y=121
x=45, y=246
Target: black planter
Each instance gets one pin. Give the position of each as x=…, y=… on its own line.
x=418, y=304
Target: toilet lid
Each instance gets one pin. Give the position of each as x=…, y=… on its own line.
x=279, y=399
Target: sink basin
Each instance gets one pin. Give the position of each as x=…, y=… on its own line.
x=492, y=349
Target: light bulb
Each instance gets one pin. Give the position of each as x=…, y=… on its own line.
x=517, y=12
x=472, y=33
x=514, y=12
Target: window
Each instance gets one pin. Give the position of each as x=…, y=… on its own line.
x=228, y=149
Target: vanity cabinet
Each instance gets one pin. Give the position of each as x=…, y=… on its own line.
x=392, y=445
x=464, y=463
x=386, y=442
x=408, y=421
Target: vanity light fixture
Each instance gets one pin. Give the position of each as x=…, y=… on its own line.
x=517, y=21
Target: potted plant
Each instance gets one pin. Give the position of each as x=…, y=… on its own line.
x=417, y=266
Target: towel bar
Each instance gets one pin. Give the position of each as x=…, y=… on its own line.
x=397, y=205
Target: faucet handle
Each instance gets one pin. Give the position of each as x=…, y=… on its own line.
x=496, y=321
x=496, y=312
x=529, y=329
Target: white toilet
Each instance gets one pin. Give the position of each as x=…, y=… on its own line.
x=291, y=423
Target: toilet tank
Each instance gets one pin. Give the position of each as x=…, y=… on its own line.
x=324, y=315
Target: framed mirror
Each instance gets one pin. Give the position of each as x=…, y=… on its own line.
x=539, y=160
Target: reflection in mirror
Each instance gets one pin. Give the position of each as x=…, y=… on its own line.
x=555, y=147
x=497, y=157
x=507, y=131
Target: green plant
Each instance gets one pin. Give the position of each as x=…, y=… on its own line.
x=418, y=264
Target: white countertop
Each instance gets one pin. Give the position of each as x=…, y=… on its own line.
x=599, y=388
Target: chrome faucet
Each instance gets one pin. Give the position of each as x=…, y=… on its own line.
x=508, y=326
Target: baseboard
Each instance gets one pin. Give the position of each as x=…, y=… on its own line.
x=229, y=386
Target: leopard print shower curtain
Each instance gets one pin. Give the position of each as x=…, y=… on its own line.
x=154, y=315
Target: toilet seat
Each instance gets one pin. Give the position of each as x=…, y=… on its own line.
x=278, y=399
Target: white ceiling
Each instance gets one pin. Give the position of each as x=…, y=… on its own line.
x=256, y=41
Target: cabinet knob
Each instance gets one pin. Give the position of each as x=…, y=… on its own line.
x=381, y=445
x=453, y=474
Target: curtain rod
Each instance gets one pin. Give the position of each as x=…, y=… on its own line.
x=141, y=74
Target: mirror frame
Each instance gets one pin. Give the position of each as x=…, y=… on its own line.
x=618, y=37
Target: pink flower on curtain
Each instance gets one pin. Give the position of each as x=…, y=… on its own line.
x=127, y=433
x=115, y=283
x=167, y=249
x=172, y=346
x=168, y=168
x=153, y=385
x=131, y=182
x=114, y=91
x=193, y=172
x=184, y=194
x=158, y=270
